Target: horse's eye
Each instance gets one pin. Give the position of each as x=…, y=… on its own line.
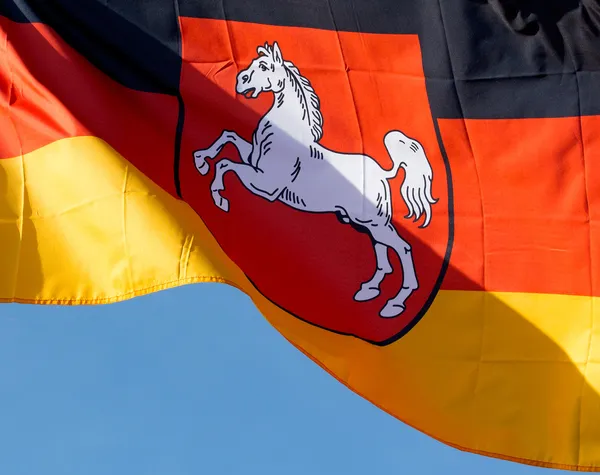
x=263, y=67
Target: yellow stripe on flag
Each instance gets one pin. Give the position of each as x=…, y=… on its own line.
x=88, y=227
x=494, y=373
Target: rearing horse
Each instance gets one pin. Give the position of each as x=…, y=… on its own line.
x=285, y=162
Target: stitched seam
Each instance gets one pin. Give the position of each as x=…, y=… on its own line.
x=124, y=295
x=362, y=143
x=591, y=267
x=125, y=241
x=23, y=194
x=185, y=256
x=484, y=306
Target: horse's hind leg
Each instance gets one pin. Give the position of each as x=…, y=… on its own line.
x=370, y=289
x=389, y=236
x=201, y=156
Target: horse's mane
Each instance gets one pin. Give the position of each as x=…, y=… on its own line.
x=309, y=100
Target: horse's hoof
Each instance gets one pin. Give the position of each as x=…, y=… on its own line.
x=219, y=201
x=366, y=293
x=391, y=310
x=222, y=203
x=202, y=165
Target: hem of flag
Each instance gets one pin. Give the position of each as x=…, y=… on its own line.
x=509, y=458
x=214, y=279
x=124, y=296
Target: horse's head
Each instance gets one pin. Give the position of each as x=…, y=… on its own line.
x=265, y=73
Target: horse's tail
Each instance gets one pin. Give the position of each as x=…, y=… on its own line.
x=408, y=154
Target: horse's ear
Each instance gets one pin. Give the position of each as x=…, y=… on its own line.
x=277, y=56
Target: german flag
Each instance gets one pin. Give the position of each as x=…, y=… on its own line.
x=406, y=190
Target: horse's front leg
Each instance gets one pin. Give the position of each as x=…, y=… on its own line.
x=201, y=156
x=252, y=178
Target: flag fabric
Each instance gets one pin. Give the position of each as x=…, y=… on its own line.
x=406, y=190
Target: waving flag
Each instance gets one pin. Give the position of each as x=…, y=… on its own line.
x=406, y=190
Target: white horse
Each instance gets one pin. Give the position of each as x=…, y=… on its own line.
x=285, y=162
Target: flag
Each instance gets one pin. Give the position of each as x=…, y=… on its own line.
x=406, y=190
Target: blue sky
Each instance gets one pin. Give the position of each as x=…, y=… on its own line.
x=190, y=381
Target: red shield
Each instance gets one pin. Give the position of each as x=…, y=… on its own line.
x=312, y=264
